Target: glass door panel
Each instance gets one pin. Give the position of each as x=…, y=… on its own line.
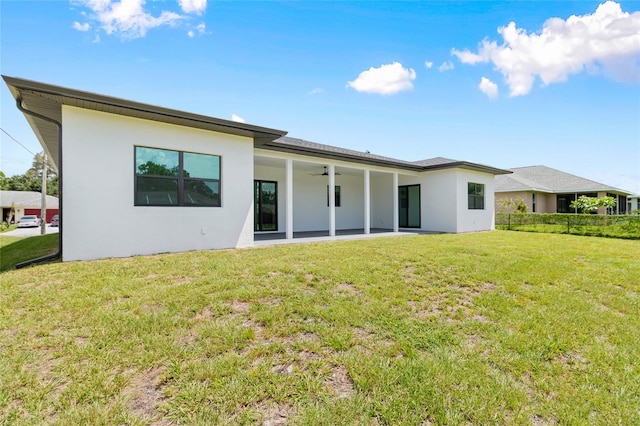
x=409, y=206
x=266, y=205
x=413, y=214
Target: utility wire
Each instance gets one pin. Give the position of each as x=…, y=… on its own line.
x=16, y=140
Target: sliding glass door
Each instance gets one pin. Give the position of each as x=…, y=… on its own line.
x=409, y=206
x=265, y=210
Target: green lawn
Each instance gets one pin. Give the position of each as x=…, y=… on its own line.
x=14, y=250
x=487, y=328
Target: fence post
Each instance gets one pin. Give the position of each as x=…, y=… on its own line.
x=509, y=226
x=568, y=224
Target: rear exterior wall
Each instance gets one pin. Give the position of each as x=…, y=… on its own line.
x=100, y=219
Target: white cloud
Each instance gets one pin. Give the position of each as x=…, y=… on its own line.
x=446, y=66
x=488, y=87
x=200, y=28
x=316, y=91
x=81, y=27
x=385, y=80
x=606, y=41
x=193, y=6
x=428, y=64
x=127, y=18
x=467, y=57
x=237, y=118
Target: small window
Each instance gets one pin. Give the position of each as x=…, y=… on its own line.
x=174, y=178
x=337, y=195
x=476, y=196
x=533, y=203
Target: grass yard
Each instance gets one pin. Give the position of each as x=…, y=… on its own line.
x=487, y=328
x=14, y=250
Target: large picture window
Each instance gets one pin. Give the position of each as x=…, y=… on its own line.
x=476, y=196
x=174, y=178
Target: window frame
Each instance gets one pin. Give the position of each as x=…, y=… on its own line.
x=180, y=179
x=475, y=200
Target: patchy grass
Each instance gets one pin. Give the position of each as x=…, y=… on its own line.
x=487, y=328
x=14, y=250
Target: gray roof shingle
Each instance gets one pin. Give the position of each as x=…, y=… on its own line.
x=29, y=199
x=546, y=179
x=301, y=146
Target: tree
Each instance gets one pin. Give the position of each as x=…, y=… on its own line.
x=510, y=205
x=589, y=204
x=31, y=180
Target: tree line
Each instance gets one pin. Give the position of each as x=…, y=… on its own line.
x=31, y=180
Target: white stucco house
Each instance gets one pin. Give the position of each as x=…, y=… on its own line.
x=171, y=181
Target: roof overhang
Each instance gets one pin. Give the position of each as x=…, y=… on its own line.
x=334, y=153
x=469, y=166
x=47, y=100
x=341, y=156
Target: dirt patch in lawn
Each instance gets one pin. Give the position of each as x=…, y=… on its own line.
x=145, y=395
x=340, y=382
x=274, y=414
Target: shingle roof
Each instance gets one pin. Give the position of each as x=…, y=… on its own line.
x=27, y=199
x=437, y=161
x=546, y=179
x=301, y=146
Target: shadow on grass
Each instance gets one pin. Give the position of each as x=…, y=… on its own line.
x=14, y=250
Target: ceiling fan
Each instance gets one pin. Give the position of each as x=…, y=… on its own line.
x=324, y=173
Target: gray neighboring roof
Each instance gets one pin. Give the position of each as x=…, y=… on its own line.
x=47, y=100
x=28, y=199
x=546, y=179
x=304, y=147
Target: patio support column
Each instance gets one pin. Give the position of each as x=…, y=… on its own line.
x=332, y=200
x=367, y=202
x=289, y=200
x=395, y=202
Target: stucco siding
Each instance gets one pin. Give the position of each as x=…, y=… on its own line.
x=545, y=203
x=100, y=219
x=382, y=201
x=310, y=210
x=439, y=201
x=470, y=220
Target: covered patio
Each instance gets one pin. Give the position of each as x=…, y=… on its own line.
x=301, y=197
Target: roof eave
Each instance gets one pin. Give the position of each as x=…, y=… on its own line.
x=338, y=156
x=16, y=85
x=469, y=166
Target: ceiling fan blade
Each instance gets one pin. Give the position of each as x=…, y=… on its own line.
x=324, y=173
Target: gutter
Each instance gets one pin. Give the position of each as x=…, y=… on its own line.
x=58, y=254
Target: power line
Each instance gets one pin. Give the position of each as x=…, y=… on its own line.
x=16, y=140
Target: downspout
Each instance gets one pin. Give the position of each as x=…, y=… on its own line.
x=58, y=125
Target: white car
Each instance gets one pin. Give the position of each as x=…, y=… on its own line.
x=28, y=221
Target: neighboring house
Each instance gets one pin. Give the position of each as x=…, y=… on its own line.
x=168, y=181
x=15, y=204
x=547, y=190
x=633, y=203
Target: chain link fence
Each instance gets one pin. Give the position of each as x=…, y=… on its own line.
x=616, y=226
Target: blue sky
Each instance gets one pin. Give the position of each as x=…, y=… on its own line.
x=560, y=86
